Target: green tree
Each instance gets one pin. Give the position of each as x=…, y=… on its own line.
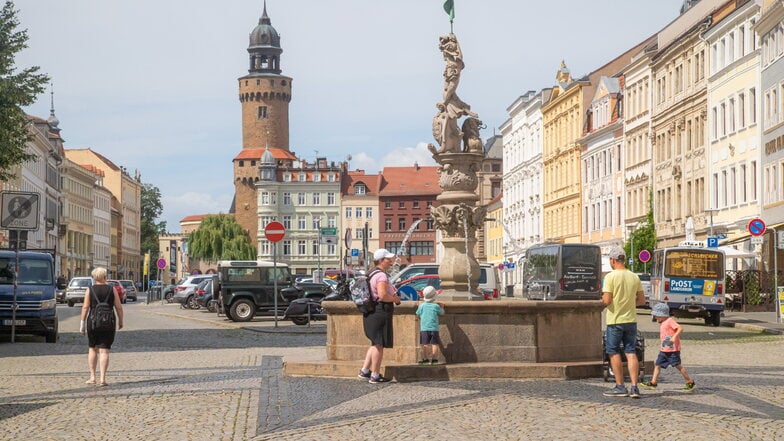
x=220, y=237
x=151, y=210
x=18, y=88
x=644, y=238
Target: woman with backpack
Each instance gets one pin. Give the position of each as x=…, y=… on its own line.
x=378, y=324
x=98, y=320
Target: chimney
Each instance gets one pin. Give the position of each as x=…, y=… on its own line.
x=416, y=166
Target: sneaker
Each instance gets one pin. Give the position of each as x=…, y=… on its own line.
x=618, y=391
x=364, y=375
x=424, y=361
x=634, y=392
x=379, y=379
x=690, y=386
x=434, y=361
x=649, y=385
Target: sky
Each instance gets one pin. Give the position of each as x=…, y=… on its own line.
x=152, y=84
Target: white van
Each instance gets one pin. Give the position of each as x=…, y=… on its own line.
x=488, y=279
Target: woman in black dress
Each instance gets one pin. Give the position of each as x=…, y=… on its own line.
x=100, y=342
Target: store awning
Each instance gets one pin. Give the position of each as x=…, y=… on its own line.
x=732, y=253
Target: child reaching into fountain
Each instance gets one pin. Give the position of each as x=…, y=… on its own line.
x=428, y=312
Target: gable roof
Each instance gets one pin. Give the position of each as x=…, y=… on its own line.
x=351, y=178
x=494, y=147
x=101, y=157
x=400, y=181
x=255, y=154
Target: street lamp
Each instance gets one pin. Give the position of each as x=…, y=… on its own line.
x=711, y=212
x=631, y=228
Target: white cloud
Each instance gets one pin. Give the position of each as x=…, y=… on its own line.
x=406, y=156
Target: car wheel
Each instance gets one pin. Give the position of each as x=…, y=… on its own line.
x=242, y=310
x=51, y=337
x=124, y=301
x=169, y=297
x=70, y=303
x=191, y=303
x=715, y=318
x=299, y=320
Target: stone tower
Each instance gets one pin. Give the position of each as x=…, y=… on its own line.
x=264, y=95
x=264, y=92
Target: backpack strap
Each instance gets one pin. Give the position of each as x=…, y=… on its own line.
x=97, y=300
x=370, y=287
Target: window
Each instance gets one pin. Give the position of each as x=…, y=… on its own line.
x=265, y=199
x=416, y=203
x=358, y=212
x=331, y=249
x=301, y=222
x=369, y=212
x=752, y=106
x=331, y=198
x=301, y=198
x=370, y=233
x=429, y=224
x=401, y=224
x=316, y=177
x=348, y=212
x=314, y=245
x=387, y=204
x=262, y=112
x=393, y=247
x=401, y=204
x=316, y=198
x=429, y=204
x=388, y=224
x=316, y=222
x=301, y=247
x=287, y=222
x=360, y=189
x=331, y=221
x=287, y=248
x=302, y=177
x=731, y=116
x=286, y=198
x=743, y=184
x=421, y=248
x=286, y=177
x=753, y=180
x=741, y=111
x=331, y=177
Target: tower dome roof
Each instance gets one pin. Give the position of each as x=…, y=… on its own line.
x=264, y=34
x=267, y=158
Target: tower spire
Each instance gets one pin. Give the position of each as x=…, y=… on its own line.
x=52, y=120
x=264, y=17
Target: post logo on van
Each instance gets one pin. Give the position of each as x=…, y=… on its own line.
x=688, y=286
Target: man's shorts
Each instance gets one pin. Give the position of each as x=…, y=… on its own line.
x=621, y=337
x=667, y=359
x=429, y=338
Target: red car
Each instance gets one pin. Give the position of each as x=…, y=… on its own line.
x=118, y=288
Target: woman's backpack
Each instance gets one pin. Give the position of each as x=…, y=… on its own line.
x=103, y=314
x=361, y=294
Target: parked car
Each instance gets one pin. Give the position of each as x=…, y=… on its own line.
x=489, y=283
x=187, y=287
x=332, y=284
x=645, y=280
x=206, y=291
x=118, y=288
x=130, y=289
x=76, y=288
x=421, y=282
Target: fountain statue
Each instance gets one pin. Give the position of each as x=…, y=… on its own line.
x=460, y=155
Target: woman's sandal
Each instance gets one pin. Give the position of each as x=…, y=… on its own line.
x=103, y=384
x=89, y=382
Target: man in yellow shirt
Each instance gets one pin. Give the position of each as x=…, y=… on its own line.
x=622, y=293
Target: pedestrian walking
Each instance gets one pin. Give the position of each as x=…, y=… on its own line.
x=378, y=324
x=428, y=312
x=670, y=352
x=621, y=294
x=100, y=335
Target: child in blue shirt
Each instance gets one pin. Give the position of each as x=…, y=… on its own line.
x=428, y=313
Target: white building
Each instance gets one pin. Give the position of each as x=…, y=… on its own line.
x=733, y=132
x=102, y=224
x=522, y=177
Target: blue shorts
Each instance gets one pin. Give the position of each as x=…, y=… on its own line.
x=667, y=359
x=622, y=337
x=429, y=338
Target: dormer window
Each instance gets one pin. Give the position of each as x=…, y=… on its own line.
x=360, y=189
x=316, y=177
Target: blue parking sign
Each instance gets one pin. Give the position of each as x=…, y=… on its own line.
x=354, y=252
x=713, y=242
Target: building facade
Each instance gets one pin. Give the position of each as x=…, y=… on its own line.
x=359, y=201
x=79, y=198
x=102, y=221
x=406, y=195
x=522, y=177
x=602, y=166
x=490, y=176
x=733, y=131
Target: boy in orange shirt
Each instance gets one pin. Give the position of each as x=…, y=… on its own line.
x=670, y=354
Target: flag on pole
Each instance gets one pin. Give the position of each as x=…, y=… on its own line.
x=146, y=264
x=449, y=7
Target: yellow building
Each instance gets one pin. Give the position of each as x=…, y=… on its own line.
x=563, y=125
x=494, y=231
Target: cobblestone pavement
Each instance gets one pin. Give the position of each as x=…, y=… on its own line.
x=178, y=374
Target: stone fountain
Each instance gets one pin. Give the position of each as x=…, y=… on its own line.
x=460, y=154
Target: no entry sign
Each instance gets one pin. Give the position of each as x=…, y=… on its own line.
x=274, y=231
x=644, y=256
x=757, y=227
x=161, y=263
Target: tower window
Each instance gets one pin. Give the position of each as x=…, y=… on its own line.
x=262, y=112
x=258, y=82
x=272, y=82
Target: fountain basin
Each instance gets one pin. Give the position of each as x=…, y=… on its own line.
x=555, y=337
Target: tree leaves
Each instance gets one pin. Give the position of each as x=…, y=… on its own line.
x=17, y=89
x=220, y=237
x=151, y=209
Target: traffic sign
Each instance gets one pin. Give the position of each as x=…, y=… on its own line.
x=757, y=227
x=19, y=210
x=274, y=231
x=644, y=256
x=757, y=240
x=347, y=239
x=161, y=263
x=713, y=242
x=354, y=252
x=328, y=236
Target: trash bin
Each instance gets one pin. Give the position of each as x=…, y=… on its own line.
x=510, y=290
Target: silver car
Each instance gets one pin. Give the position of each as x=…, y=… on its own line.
x=645, y=280
x=76, y=289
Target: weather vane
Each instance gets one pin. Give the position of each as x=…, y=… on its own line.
x=449, y=7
